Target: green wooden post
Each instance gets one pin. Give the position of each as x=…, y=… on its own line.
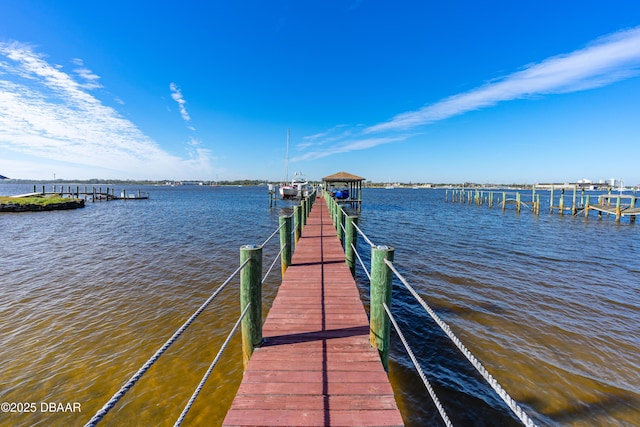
x=618, y=210
x=586, y=207
x=339, y=215
x=490, y=199
x=285, y=242
x=303, y=209
x=297, y=221
x=380, y=291
x=251, y=293
x=533, y=195
x=551, y=201
x=350, y=240
x=504, y=200
x=538, y=203
x=518, y=202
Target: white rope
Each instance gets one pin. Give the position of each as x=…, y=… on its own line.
x=272, y=234
x=277, y=257
x=511, y=403
x=425, y=381
x=361, y=262
x=116, y=397
x=364, y=236
x=208, y=373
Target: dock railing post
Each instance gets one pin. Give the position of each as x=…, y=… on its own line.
x=285, y=242
x=297, y=222
x=551, y=201
x=339, y=216
x=350, y=240
x=251, y=293
x=380, y=292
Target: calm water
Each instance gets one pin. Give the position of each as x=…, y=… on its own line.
x=549, y=304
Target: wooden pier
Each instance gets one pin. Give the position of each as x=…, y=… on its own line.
x=618, y=205
x=94, y=194
x=316, y=366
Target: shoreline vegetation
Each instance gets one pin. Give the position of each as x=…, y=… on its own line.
x=255, y=182
x=38, y=203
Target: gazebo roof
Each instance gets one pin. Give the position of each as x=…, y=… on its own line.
x=342, y=177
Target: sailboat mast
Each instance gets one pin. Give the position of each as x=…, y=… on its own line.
x=286, y=168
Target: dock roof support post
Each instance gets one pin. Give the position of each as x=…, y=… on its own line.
x=251, y=293
x=380, y=292
x=285, y=242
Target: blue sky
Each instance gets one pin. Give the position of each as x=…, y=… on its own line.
x=411, y=91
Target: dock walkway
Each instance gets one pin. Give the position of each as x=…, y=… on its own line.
x=316, y=366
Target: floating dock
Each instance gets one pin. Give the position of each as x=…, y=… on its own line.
x=316, y=366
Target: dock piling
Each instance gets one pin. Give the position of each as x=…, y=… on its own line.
x=251, y=293
x=285, y=242
x=350, y=239
x=380, y=292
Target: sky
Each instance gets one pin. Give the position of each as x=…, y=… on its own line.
x=498, y=91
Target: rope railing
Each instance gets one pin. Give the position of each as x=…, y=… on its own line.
x=273, y=263
x=364, y=267
x=208, y=373
x=425, y=381
x=131, y=382
x=364, y=236
x=102, y=412
x=511, y=403
x=272, y=235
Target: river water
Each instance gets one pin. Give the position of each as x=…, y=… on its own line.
x=549, y=304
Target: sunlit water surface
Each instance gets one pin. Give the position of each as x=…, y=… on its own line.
x=550, y=304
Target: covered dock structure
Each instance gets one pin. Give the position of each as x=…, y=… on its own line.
x=350, y=182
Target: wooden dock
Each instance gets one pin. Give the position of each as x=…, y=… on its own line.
x=316, y=366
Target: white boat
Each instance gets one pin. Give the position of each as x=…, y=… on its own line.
x=299, y=186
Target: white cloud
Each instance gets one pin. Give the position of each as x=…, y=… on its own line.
x=346, y=146
x=48, y=117
x=91, y=79
x=606, y=61
x=176, y=94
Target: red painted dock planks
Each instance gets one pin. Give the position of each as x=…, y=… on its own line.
x=316, y=367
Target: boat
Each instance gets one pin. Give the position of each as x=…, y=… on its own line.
x=299, y=186
x=342, y=194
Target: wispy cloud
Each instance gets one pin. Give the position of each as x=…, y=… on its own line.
x=352, y=144
x=90, y=78
x=176, y=94
x=47, y=116
x=605, y=61
x=608, y=60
